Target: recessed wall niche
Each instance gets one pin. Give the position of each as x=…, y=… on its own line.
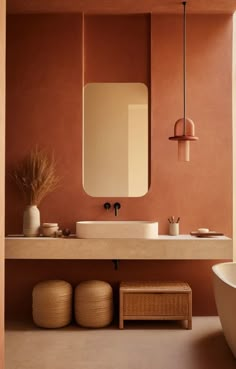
x=117, y=48
x=116, y=61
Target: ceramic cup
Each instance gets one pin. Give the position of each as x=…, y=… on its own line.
x=174, y=229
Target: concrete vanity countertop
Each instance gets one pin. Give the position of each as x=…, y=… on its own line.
x=162, y=247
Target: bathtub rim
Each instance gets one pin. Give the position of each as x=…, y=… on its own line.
x=216, y=272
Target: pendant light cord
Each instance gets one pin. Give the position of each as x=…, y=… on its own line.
x=184, y=64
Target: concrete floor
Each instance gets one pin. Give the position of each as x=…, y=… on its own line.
x=141, y=345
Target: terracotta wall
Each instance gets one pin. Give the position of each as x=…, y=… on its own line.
x=44, y=106
x=117, y=48
x=200, y=191
x=22, y=275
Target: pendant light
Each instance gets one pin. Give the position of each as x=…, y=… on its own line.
x=184, y=130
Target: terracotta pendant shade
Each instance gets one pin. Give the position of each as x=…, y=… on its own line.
x=184, y=133
x=184, y=129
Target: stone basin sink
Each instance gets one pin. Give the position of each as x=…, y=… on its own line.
x=117, y=229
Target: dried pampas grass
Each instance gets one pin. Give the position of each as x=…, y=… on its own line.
x=36, y=176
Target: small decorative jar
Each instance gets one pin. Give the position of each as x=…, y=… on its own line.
x=49, y=229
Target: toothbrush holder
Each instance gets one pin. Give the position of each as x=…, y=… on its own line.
x=174, y=229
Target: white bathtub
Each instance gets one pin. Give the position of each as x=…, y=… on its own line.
x=224, y=279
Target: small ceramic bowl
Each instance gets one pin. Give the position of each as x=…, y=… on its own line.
x=49, y=229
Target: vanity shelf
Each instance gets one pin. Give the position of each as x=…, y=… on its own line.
x=183, y=247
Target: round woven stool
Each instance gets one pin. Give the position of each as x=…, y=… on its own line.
x=52, y=304
x=93, y=304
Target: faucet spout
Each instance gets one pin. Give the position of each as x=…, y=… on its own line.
x=117, y=206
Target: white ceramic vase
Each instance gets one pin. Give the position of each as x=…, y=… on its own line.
x=31, y=221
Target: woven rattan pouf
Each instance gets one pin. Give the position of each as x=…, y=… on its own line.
x=52, y=304
x=93, y=304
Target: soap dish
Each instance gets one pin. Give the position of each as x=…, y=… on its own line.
x=206, y=234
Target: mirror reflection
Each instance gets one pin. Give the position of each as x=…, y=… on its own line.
x=115, y=139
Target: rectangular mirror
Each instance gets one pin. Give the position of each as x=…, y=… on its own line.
x=115, y=139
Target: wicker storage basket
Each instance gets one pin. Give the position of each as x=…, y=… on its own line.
x=52, y=304
x=93, y=304
x=155, y=300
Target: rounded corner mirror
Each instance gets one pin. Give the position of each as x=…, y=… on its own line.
x=115, y=139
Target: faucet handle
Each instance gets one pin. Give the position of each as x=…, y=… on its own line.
x=107, y=206
x=117, y=206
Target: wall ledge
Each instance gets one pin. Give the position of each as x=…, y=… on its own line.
x=183, y=247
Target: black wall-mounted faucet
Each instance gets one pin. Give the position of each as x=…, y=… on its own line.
x=117, y=206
